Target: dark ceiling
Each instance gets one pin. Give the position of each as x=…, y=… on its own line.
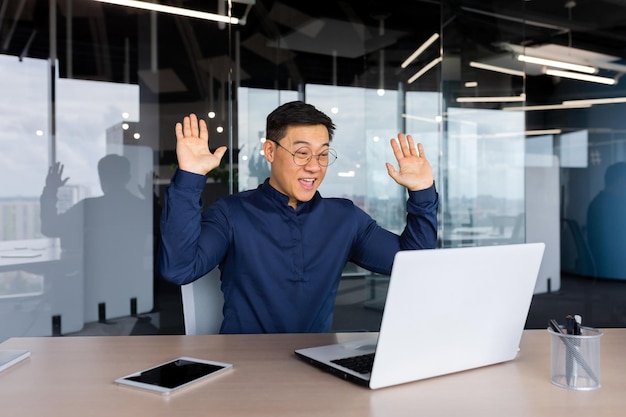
x=113, y=43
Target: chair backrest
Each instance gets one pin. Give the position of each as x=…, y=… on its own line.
x=202, y=304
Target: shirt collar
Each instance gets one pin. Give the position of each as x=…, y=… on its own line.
x=282, y=199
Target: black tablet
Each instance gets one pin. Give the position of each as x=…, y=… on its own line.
x=174, y=375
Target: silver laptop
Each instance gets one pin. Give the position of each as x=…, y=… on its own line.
x=447, y=310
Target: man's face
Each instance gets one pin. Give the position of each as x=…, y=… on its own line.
x=299, y=183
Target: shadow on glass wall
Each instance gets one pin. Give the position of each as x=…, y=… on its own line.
x=606, y=224
x=105, y=268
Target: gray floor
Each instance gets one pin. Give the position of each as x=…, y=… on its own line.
x=602, y=302
x=359, y=306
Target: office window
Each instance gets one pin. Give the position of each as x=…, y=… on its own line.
x=485, y=177
x=573, y=149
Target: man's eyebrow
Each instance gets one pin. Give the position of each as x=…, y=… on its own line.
x=304, y=142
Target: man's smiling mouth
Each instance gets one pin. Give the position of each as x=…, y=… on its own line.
x=307, y=182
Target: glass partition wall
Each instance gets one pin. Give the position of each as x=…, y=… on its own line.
x=521, y=150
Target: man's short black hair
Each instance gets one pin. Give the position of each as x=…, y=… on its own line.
x=295, y=113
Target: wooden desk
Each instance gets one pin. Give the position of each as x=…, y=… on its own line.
x=72, y=376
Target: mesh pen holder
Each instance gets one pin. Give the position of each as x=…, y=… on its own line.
x=575, y=359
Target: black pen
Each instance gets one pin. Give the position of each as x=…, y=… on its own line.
x=570, y=324
x=570, y=366
x=573, y=328
x=554, y=325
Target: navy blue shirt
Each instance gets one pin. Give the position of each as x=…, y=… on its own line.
x=280, y=267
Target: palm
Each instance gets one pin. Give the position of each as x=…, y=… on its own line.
x=192, y=147
x=415, y=172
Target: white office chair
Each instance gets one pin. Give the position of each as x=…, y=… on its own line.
x=202, y=304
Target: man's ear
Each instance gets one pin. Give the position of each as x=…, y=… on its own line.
x=268, y=150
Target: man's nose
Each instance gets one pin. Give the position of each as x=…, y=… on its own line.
x=313, y=164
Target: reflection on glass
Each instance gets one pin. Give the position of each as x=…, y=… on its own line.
x=253, y=106
x=606, y=224
x=484, y=167
x=42, y=285
x=540, y=150
x=365, y=124
x=573, y=149
x=423, y=120
x=105, y=240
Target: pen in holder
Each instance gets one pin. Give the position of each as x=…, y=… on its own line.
x=575, y=358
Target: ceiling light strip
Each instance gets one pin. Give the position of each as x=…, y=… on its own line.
x=558, y=64
x=547, y=107
x=581, y=77
x=503, y=99
x=436, y=119
x=594, y=101
x=425, y=69
x=569, y=104
x=172, y=10
x=543, y=132
x=419, y=50
x=495, y=68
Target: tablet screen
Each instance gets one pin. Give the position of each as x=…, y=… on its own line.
x=172, y=375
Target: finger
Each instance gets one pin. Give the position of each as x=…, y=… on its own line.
x=204, y=132
x=219, y=152
x=411, y=144
x=395, y=146
x=186, y=126
x=420, y=150
x=193, y=120
x=179, y=131
x=392, y=171
x=404, y=144
x=407, y=145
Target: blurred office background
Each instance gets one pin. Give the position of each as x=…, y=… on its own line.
x=519, y=104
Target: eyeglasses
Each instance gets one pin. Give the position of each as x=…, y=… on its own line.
x=303, y=155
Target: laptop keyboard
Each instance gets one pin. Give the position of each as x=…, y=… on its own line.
x=362, y=363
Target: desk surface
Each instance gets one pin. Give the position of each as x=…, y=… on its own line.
x=72, y=376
